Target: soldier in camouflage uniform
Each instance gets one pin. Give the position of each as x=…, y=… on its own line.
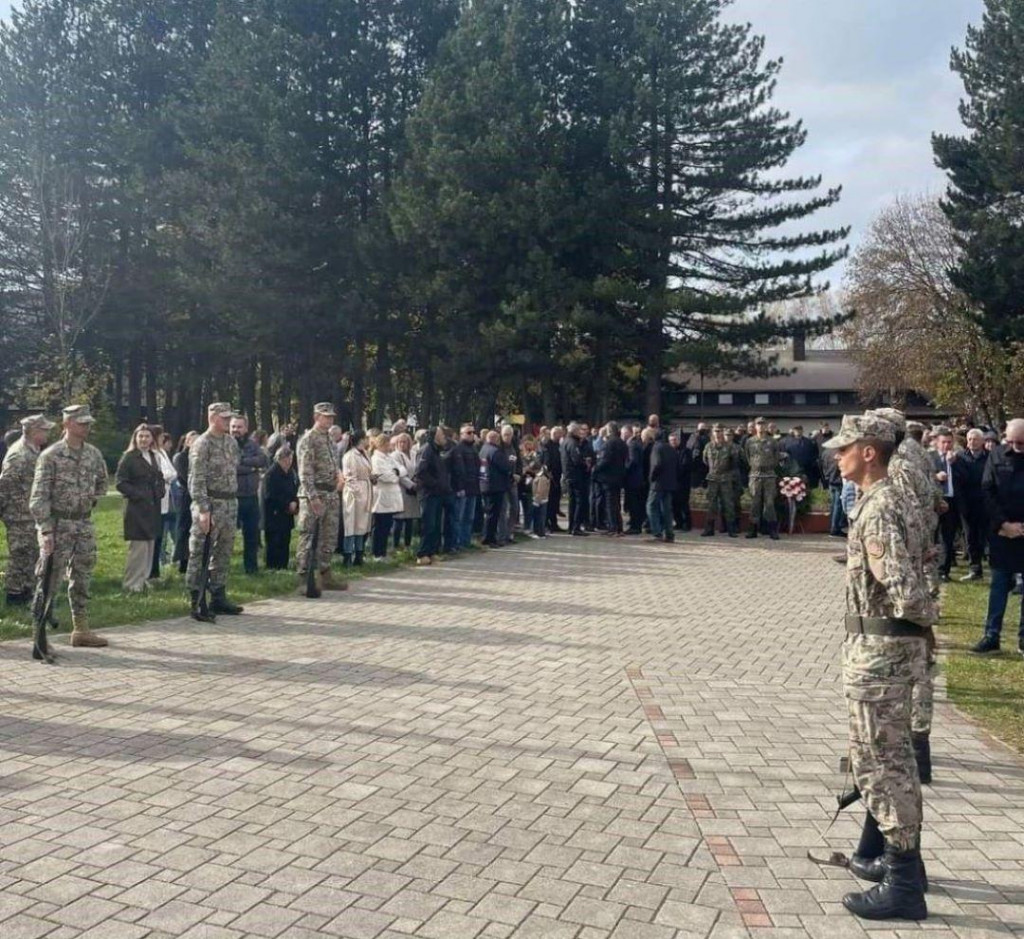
x=15, y=489
x=736, y=480
x=889, y=611
x=920, y=497
x=213, y=486
x=762, y=456
x=319, y=481
x=912, y=450
x=70, y=477
x=720, y=458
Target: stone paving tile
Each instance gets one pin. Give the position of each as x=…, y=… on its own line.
x=570, y=740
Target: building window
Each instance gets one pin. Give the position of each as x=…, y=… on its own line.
x=760, y=399
x=799, y=398
x=833, y=397
x=691, y=399
x=725, y=399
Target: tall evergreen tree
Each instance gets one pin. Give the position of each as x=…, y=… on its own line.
x=985, y=197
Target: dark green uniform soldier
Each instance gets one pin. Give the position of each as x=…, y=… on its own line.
x=720, y=458
x=762, y=457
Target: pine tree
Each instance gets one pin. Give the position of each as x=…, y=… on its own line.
x=985, y=197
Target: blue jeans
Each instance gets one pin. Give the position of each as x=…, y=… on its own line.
x=539, y=515
x=998, y=596
x=249, y=522
x=352, y=544
x=465, y=513
x=659, y=514
x=838, y=514
x=430, y=526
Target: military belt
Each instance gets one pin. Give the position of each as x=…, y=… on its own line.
x=72, y=516
x=882, y=626
x=221, y=495
x=325, y=487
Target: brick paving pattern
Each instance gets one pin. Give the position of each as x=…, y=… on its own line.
x=572, y=739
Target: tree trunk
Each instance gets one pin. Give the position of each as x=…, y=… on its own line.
x=384, y=396
x=359, y=384
x=284, y=405
x=266, y=416
x=247, y=390
x=548, y=403
x=134, y=411
x=149, y=366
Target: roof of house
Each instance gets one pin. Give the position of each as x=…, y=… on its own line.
x=821, y=370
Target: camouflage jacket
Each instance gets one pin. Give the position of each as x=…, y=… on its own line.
x=16, y=481
x=916, y=495
x=882, y=577
x=67, y=482
x=318, y=465
x=912, y=451
x=762, y=456
x=212, y=468
x=721, y=460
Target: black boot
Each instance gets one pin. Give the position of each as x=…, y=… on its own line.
x=358, y=562
x=198, y=613
x=221, y=604
x=923, y=755
x=866, y=862
x=752, y=533
x=773, y=531
x=734, y=530
x=900, y=895
x=709, y=531
x=346, y=560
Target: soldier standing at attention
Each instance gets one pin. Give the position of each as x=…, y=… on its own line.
x=15, y=489
x=720, y=458
x=70, y=477
x=320, y=481
x=213, y=486
x=762, y=456
x=889, y=611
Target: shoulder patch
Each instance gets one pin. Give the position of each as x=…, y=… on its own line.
x=875, y=547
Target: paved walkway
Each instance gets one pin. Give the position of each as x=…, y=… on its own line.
x=571, y=739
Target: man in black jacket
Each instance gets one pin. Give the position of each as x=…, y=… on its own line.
x=465, y=465
x=574, y=475
x=968, y=473
x=495, y=482
x=1003, y=490
x=610, y=474
x=589, y=458
x=434, y=486
x=551, y=453
x=681, y=497
x=664, y=480
x=634, y=483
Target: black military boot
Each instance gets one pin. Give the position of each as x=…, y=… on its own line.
x=358, y=562
x=346, y=560
x=220, y=603
x=866, y=862
x=198, y=614
x=923, y=755
x=900, y=895
x=773, y=531
x=752, y=532
x=709, y=530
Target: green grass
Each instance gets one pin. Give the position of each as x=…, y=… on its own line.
x=988, y=688
x=110, y=606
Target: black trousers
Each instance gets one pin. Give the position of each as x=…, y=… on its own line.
x=949, y=525
x=278, y=544
x=975, y=525
x=578, y=505
x=613, y=507
x=598, y=503
x=554, y=504
x=492, y=511
x=636, y=508
x=381, y=531
x=249, y=522
x=681, y=507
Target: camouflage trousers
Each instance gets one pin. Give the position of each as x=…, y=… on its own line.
x=763, y=490
x=223, y=518
x=74, y=557
x=922, y=701
x=328, y=538
x=721, y=501
x=23, y=554
x=878, y=675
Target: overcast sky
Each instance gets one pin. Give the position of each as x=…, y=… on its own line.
x=871, y=81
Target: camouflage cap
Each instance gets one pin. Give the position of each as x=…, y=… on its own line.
x=36, y=422
x=324, y=407
x=896, y=418
x=79, y=413
x=942, y=431
x=221, y=409
x=860, y=427
x=915, y=426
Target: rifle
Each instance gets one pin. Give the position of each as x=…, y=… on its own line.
x=312, y=590
x=42, y=612
x=843, y=801
x=204, y=581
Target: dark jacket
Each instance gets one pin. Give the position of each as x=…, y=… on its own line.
x=574, y=467
x=968, y=473
x=804, y=451
x=1003, y=490
x=251, y=459
x=553, y=460
x=684, y=457
x=634, y=464
x=432, y=471
x=495, y=469
x=180, y=463
x=664, y=476
x=280, y=490
x=610, y=469
x=698, y=444
x=142, y=485
x=465, y=469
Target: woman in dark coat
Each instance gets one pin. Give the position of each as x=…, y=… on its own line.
x=280, y=505
x=140, y=480
x=184, y=521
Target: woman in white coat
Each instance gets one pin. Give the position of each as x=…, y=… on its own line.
x=356, y=497
x=401, y=453
x=387, y=493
